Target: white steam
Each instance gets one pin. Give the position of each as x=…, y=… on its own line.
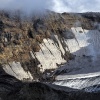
x=54, y=5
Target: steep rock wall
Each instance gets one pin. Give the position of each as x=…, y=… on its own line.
x=30, y=46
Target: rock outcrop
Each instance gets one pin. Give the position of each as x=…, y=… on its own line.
x=29, y=46
x=62, y=49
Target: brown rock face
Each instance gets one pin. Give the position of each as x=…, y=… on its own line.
x=20, y=35
x=16, y=33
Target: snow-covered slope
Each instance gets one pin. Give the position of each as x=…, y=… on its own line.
x=79, y=81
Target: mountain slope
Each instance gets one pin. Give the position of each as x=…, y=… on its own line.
x=52, y=47
x=31, y=45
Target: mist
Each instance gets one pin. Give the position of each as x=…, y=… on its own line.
x=53, y=5
x=25, y=5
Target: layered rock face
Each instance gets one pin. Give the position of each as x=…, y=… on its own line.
x=60, y=48
x=31, y=45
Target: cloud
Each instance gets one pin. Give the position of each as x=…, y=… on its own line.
x=26, y=5
x=54, y=5
x=76, y=5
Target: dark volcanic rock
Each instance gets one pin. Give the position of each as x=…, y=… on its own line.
x=8, y=83
x=40, y=91
x=13, y=89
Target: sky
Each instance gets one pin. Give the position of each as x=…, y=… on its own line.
x=54, y=5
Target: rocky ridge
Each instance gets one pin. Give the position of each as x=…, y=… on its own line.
x=22, y=38
x=40, y=47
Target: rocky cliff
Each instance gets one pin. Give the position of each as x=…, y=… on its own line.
x=61, y=49
x=31, y=45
